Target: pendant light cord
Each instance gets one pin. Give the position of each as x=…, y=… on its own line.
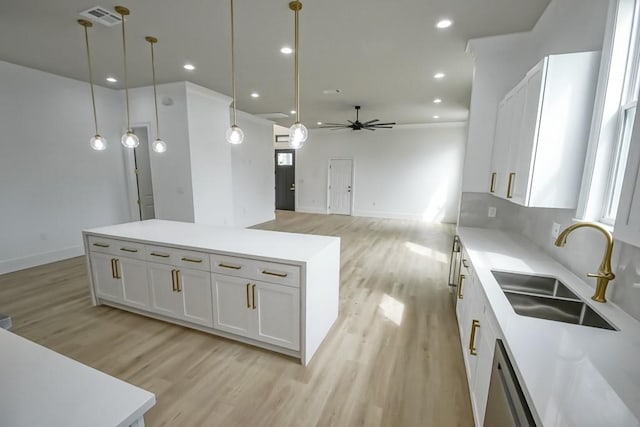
x=233, y=65
x=297, y=71
x=126, y=85
x=155, y=94
x=93, y=97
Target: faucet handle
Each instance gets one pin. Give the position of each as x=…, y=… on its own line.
x=602, y=275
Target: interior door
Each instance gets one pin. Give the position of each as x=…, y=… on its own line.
x=143, y=175
x=340, y=186
x=285, y=164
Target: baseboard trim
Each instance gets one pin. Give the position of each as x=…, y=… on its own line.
x=304, y=209
x=16, y=264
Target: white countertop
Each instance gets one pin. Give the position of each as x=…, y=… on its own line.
x=573, y=375
x=39, y=387
x=270, y=245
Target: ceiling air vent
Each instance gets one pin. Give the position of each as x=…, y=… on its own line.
x=272, y=116
x=101, y=15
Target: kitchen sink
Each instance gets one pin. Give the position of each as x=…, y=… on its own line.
x=547, y=298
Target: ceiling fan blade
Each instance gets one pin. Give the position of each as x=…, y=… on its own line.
x=380, y=127
x=384, y=124
x=371, y=121
x=334, y=124
x=369, y=128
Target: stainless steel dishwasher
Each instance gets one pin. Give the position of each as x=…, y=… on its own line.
x=506, y=404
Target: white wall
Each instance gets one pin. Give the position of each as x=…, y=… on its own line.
x=405, y=172
x=170, y=171
x=52, y=183
x=252, y=166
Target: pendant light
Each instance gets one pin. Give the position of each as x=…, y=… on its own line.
x=234, y=134
x=297, y=132
x=129, y=139
x=97, y=142
x=159, y=146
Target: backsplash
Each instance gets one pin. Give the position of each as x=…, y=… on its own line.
x=582, y=253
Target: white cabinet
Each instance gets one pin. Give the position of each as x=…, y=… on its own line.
x=266, y=312
x=103, y=271
x=627, y=227
x=542, y=130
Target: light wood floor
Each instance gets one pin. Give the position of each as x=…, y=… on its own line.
x=392, y=359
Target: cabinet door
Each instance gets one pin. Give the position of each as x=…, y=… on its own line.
x=195, y=288
x=232, y=308
x=515, y=141
x=484, y=363
x=498, y=178
x=277, y=315
x=165, y=298
x=135, y=286
x=104, y=277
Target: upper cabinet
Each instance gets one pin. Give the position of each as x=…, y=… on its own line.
x=542, y=130
x=627, y=226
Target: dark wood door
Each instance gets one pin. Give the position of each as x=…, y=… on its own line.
x=285, y=164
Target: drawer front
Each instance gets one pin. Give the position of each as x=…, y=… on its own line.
x=179, y=257
x=233, y=266
x=274, y=272
x=116, y=247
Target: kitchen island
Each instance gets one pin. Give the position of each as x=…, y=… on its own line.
x=40, y=387
x=274, y=290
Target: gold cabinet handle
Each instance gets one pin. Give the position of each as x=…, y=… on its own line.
x=116, y=262
x=101, y=245
x=128, y=250
x=493, y=182
x=160, y=255
x=460, y=282
x=475, y=324
x=113, y=268
x=465, y=263
x=248, y=303
x=173, y=280
x=178, y=288
x=187, y=259
x=253, y=296
x=512, y=176
x=234, y=267
x=271, y=273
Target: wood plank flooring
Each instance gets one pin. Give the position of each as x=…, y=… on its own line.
x=393, y=358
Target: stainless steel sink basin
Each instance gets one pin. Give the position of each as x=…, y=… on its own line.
x=539, y=285
x=547, y=298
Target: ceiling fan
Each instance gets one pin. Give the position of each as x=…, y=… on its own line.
x=358, y=125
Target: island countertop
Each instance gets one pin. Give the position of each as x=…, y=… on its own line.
x=40, y=387
x=572, y=375
x=227, y=240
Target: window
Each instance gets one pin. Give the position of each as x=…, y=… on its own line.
x=614, y=115
x=285, y=159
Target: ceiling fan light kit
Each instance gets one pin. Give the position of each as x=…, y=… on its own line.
x=297, y=132
x=371, y=125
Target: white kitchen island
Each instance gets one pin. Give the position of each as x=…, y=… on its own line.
x=39, y=387
x=271, y=289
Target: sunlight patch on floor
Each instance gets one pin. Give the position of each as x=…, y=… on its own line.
x=428, y=252
x=392, y=309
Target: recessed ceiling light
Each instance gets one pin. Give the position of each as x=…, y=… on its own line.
x=292, y=111
x=444, y=23
x=189, y=67
x=436, y=117
x=286, y=50
x=437, y=101
x=319, y=123
x=112, y=79
x=255, y=95
x=438, y=75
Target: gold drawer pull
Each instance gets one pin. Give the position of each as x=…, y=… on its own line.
x=271, y=273
x=160, y=255
x=512, y=176
x=460, y=282
x=187, y=259
x=101, y=245
x=493, y=182
x=128, y=250
x=475, y=324
x=234, y=267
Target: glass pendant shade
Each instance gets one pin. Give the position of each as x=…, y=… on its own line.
x=98, y=143
x=297, y=135
x=159, y=146
x=234, y=135
x=130, y=140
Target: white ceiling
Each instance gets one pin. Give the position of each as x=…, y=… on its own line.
x=381, y=54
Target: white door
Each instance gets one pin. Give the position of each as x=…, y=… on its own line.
x=232, y=304
x=165, y=298
x=277, y=314
x=133, y=274
x=143, y=174
x=195, y=288
x=104, y=277
x=340, y=186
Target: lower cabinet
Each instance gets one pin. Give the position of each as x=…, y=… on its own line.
x=263, y=311
x=181, y=293
x=121, y=279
